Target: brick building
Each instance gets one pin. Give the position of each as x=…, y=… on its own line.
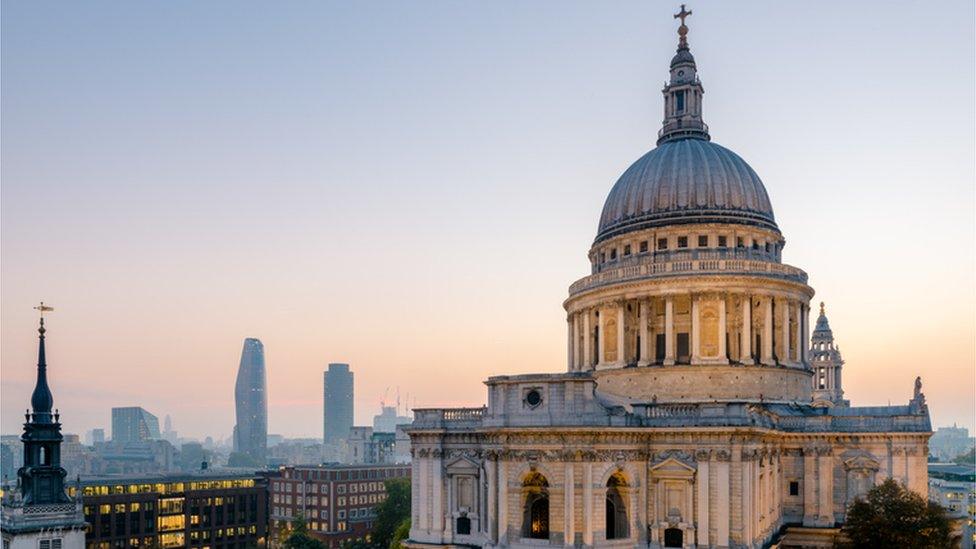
x=207, y=511
x=337, y=501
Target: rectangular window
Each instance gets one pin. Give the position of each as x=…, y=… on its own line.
x=680, y=101
x=794, y=488
x=682, y=241
x=643, y=247
x=662, y=243
x=613, y=255
x=684, y=348
x=659, y=347
x=627, y=250
x=723, y=241
x=739, y=243
x=702, y=241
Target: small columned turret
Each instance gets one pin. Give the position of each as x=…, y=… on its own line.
x=683, y=93
x=826, y=362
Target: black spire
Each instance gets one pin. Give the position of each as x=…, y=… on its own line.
x=41, y=400
x=42, y=477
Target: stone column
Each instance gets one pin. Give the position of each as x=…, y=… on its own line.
x=502, y=504
x=588, y=504
x=723, y=351
x=826, y=470
x=785, y=358
x=621, y=333
x=642, y=525
x=701, y=528
x=805, y=323
x=722, y=501
x=570, y=341
x=492, y=477
x=745, y=335
x=669, y=331
x=587, y=362
x=748, y=504
x=810, y=512
x=424, y=524
x=437, y=493
x=569, y=509
x=798, y=333
x=645, y=347
x=767, y=338
x=602, y=339
x=695, y=330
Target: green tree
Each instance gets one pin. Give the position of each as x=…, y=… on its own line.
x=893, y=516
x=240, y=459
x=391, y=512
x=299, y=538
x=401, y=534
x=969, y=458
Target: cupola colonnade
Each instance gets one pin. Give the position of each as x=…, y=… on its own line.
x=689, y=327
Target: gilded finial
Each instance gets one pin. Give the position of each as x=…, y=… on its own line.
x=821, y=307
x=683, y=29
x=42, y=308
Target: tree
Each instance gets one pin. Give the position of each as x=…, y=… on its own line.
x=968, y=458
x=400, y=535
x=240, y=459
x=893, y=516
x=299, y=538
x=391, y=512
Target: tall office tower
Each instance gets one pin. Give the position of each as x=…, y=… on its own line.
x=338, y=415
x=250, y=394
x=98, y=436
x=39, y=514
x=133, y=424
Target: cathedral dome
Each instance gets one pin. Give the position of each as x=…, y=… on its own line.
x=689, y=180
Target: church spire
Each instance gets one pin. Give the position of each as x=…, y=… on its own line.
x=683, y=93
x=41, y=400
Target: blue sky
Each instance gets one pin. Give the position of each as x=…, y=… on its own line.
x=411, y=187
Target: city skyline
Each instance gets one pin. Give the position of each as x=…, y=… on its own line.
x=396, y=229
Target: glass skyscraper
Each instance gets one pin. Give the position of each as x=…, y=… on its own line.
x=134, y=424
x=250, y=395
x=338, y=418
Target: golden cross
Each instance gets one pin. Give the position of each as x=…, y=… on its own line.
x=682, y=14
x=43, y=308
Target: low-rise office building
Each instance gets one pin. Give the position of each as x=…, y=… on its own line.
x=209, y=510
x=337, y=501
x=953, y=486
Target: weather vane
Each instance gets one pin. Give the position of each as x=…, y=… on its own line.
x=43, y=309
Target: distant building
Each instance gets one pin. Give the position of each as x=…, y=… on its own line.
x=142, y=457
x=275, y=439
x=97, y=436
x=954, y=487
x=40, y=514
x=948, y=443
x=208, y=509
x=338, y=402
x=296, y=452
x=337, y=501
x=193, y=457
x=11, y=457
x=250, y=395
x=168, y=433
x=364, y=446
x=134, y=424
x=388, y=420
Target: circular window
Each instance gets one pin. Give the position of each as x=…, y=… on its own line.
x=681, y=73
x=533, y=398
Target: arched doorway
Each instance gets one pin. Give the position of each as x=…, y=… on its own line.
x=535, y=512
x=616, y=508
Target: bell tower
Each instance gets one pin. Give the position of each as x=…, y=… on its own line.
x=683, y=93
x=42, y=477
x=826, y=362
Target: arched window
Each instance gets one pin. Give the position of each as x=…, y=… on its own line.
x=616, y=508
x=535, y=514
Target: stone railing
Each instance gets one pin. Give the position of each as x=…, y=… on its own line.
x=682, y=266
x=444, y=418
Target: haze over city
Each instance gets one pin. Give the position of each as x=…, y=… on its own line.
x=179, y=177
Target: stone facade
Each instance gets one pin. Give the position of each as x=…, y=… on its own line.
x=691, y=414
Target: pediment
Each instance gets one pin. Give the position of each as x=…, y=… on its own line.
x=672, y=468
x=462, y=465
x=862, y=461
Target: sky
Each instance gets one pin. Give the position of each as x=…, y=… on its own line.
x=411, y=187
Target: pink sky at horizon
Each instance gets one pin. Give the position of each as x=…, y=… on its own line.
x=421, y=215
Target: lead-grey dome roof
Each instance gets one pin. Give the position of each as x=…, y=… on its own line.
x=686, y=181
